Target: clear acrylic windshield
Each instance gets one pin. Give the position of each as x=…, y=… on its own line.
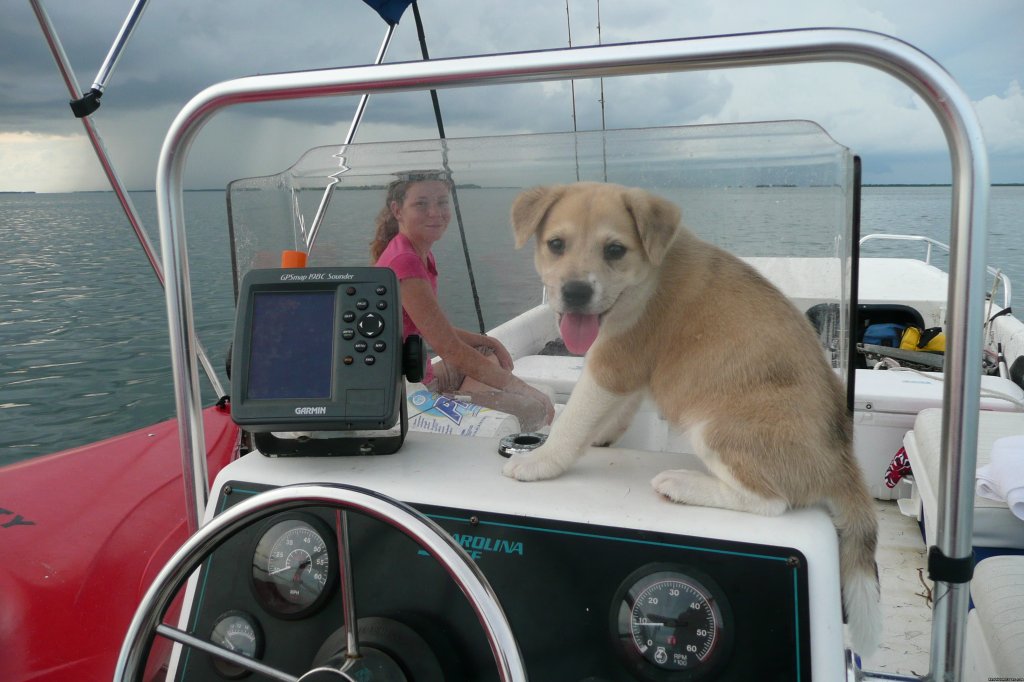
x=779, y=194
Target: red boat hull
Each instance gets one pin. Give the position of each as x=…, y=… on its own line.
x=82, y=535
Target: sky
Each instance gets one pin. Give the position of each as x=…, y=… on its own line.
x=183, y=46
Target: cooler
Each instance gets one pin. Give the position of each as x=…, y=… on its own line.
x=885, y=406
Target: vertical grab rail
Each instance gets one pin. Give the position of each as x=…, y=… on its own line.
x=924, y=76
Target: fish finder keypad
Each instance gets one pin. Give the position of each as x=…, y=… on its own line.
x=360, y=326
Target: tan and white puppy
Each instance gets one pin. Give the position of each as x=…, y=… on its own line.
x=722, y=352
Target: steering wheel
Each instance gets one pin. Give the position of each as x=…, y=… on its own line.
x=147, y=622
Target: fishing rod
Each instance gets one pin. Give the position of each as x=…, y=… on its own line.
x=604, y=148
x=444, y=161
x=572, y=91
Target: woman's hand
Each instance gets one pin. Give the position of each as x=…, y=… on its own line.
x=520, y=387
x=500, y=352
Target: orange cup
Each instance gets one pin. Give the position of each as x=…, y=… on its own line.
x=293, y=259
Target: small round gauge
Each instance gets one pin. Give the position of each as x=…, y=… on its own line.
x=239, y=632
x=670, y=625
x=293, y=565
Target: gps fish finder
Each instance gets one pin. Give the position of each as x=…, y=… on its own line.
x=318, y=360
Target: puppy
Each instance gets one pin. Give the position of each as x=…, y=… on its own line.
x=723, y=354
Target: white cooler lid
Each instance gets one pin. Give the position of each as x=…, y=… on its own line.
x=906, y=392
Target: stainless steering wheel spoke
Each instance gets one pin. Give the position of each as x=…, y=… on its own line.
x=250, y=664
x=348, y=592
x=428, y=535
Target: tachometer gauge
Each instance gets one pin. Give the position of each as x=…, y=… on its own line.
x=239, y=632
x=293, y=565
x=670, y=625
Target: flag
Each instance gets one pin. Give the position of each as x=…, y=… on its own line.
x=389, y=10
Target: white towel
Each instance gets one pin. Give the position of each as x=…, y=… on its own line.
x=1002, y=479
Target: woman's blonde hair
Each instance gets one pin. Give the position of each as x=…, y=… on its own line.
x=387, y=224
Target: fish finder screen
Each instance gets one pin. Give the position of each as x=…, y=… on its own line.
x=292, y=347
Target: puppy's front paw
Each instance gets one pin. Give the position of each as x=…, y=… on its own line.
x=681, y=485
x=532, y=467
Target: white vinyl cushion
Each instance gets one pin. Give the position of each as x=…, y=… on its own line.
x=998, y=593
x=994, y=525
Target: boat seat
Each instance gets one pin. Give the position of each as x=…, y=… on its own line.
x=560, y=372
x=994, y=647
x=995, y=527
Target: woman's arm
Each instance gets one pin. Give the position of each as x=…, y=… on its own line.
x=474, y=340
x=451, y=344
x=419, y=302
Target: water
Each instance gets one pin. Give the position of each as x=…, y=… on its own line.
x=83, y=336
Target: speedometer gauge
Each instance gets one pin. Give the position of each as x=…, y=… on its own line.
x=671, y=626
x=293, y=565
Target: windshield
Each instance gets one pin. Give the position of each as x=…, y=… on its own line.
x=762, y=191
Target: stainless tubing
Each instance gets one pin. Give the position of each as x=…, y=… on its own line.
x=1004, y=281
x=357, y=118
x=431, y=537
x=948, y=102
x=134, y=14
x=67, y=74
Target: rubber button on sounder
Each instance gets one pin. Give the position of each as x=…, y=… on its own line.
x=380, y=346
x=360, y=346
x=348, y=334
x=348, y=316
x=369, y=359
x=370, y=325
x=381, y=290
x=362, y=304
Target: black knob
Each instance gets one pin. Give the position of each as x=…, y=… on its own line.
x=413, y=358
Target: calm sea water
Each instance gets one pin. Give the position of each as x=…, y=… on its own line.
x=83, y=335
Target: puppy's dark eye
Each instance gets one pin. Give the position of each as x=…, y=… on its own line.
x=614, y=251
x=556, y=245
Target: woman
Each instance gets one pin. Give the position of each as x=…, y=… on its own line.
x=415, y=215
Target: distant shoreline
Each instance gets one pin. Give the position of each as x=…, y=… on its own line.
x=471, y=186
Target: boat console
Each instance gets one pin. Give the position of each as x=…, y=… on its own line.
x=599, y=577
x=591, y=577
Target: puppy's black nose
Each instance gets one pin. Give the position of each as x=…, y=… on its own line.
x=576, y=294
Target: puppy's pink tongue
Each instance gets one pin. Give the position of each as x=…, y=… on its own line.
x=578, y=331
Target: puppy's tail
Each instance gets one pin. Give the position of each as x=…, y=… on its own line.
x=855, y=519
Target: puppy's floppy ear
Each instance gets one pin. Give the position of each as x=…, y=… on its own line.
x=657, y=221
x=529, y=209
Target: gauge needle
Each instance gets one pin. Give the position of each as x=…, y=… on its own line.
x=280, y=570
x=298, y=568
x=670, y=622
